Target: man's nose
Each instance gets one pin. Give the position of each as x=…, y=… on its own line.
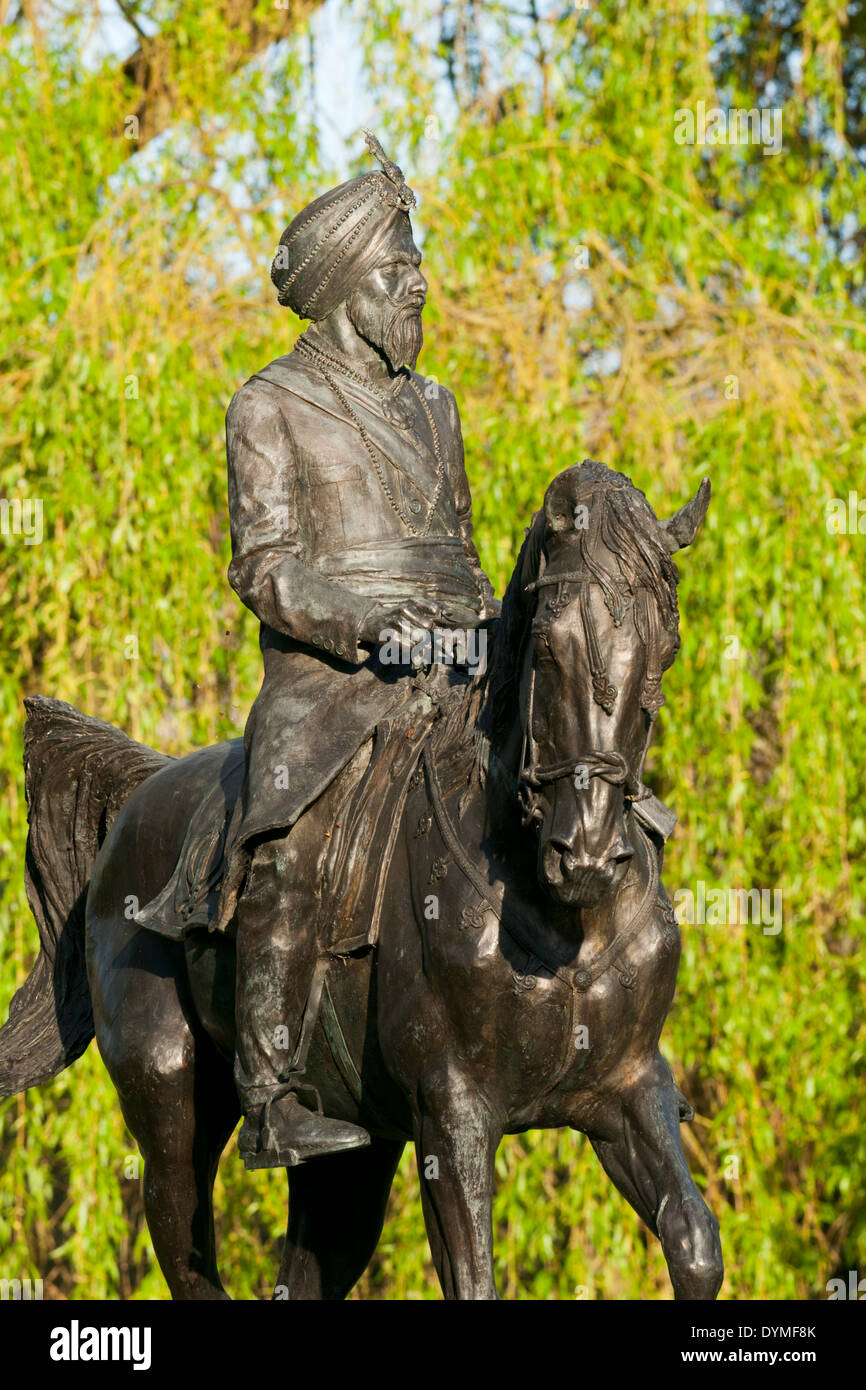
x=417, y=283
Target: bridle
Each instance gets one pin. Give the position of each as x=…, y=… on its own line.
x=608, y=764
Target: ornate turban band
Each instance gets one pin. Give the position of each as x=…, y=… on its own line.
x=337, y=238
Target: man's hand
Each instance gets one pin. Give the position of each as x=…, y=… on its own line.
x=459, y=618
x=419, y=616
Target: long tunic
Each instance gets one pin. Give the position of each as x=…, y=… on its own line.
x=316, y=545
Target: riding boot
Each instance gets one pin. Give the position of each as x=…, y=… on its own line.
x=279, y=981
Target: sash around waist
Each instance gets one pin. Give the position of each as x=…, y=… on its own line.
x=433, y=567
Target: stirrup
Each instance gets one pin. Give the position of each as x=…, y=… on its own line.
x=288, y=1088
x=314, y=1135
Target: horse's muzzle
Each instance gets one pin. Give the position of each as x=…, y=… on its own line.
x=580, y=879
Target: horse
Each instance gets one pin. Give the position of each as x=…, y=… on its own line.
x=526, y=958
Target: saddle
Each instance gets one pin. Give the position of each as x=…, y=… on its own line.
x=362, y=839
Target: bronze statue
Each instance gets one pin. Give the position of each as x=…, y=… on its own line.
x=350, y=515
x=422, y=899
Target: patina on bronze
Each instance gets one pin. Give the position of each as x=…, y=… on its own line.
x=451, y=904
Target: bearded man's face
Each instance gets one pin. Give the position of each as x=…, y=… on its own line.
x=385, y=307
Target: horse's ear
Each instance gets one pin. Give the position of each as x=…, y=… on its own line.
x=681, y=528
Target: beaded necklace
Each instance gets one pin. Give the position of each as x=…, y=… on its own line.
x=328, y=360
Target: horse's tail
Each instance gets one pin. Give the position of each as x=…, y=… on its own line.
x=78, y=772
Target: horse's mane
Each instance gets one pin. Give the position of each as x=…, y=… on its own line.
x=506, y=655
x=626, y=525
x=622, y=521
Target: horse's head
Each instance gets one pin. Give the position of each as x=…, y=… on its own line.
x=601, y=626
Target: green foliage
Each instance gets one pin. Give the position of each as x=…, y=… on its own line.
x=560, y=220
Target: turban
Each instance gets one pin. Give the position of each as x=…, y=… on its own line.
x=337, y=238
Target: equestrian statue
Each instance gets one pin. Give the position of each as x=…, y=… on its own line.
x=421, y=898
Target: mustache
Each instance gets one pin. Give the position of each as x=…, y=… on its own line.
x=413, y=303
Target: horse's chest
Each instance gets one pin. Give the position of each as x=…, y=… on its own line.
x=538, y=1042
x=508, y=1015
x=572, y=1051
x=541, y=1043
x=611, y=1026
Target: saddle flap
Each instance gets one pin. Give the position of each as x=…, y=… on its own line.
x=191, y=895
x=357, y=867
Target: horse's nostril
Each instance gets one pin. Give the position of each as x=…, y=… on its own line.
x=560, y=859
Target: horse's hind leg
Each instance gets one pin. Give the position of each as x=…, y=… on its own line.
x=637, y=1137
x=182, y=1137
x=336, y=1211
x=177, y=1095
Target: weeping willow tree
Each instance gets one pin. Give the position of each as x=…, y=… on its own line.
x=600, y=284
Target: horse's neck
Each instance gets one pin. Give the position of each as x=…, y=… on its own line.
x=490, y=822
x=486, y=818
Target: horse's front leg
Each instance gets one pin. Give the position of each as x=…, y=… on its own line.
x=638, y=1141
x=456, y=1137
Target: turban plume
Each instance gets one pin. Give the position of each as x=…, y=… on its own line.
x=337, y=238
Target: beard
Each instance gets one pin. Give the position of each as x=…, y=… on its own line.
x=393, y=329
